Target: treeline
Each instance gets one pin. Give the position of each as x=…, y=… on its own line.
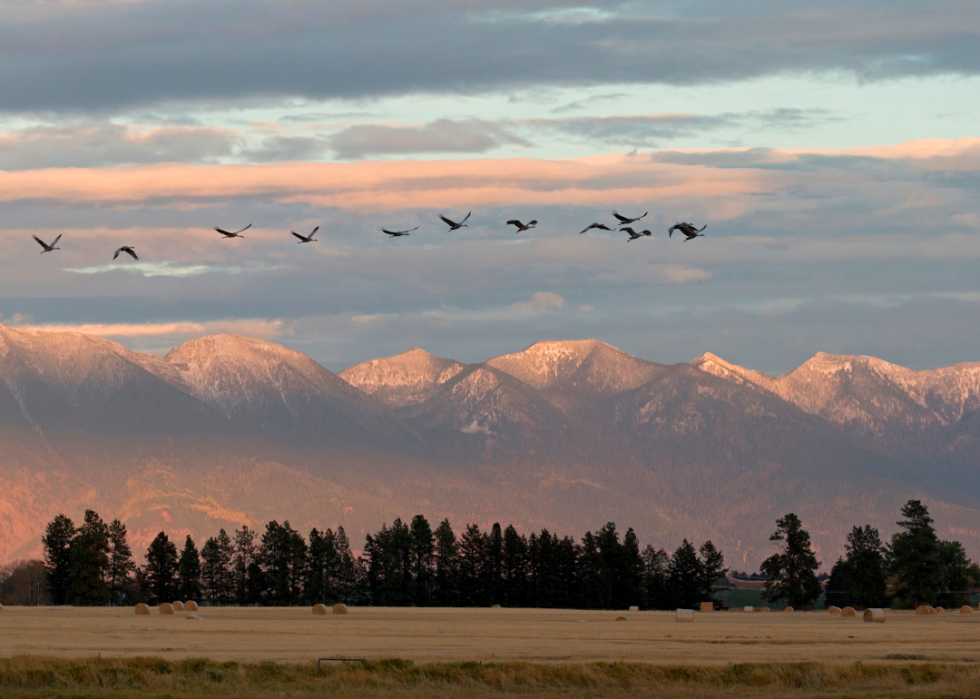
x=401, y=565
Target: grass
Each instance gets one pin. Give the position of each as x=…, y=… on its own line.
x=32, y=676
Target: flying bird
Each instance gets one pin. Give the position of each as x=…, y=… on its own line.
x=232, y=234
x=600, y=226
x=126, y=249
x=521, y=227
x=48, y=248
x=307, y=238
x=633, y=234
x=623, y=221
x=399, y=234
x=453, y=226
x=687, y=229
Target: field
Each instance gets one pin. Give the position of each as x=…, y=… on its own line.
x=484, y=652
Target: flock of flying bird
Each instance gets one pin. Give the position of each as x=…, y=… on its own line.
x=623, y=223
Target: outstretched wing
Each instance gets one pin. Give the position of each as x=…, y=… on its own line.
x=243, y=229
x=117, y=253
x=41, y=242
x=446, y=220
x=301, y=238
x=131, y=252
x=313, y=232
x=55, y=241
x=532, y=223
x=622, y=219
x=643, y=216
x=514, y=222
x=466, y=218
x=222, y=231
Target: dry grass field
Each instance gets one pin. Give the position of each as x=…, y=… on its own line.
x=484, y=652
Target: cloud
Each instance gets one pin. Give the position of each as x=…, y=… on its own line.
x=442, y=136
x=258, y=327
x=117, y=55
x=167, y=268
x=539, y=303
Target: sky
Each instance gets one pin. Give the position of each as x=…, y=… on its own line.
x=830, y=148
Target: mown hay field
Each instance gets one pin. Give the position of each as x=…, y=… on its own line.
x=489, y=635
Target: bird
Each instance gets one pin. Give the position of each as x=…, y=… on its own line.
x=230, y=234
x=623, y=221
x=126, y=249
x=453, y=226
x=687, y=229
x=633, y=234
x=48, y=248
x=600, y=226
x=520, y=226
x=307, y=238
x=398, y=234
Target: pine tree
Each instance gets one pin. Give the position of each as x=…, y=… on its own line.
x=515, y=568
x=656, y=569
x=472, y=559
x=633, y=571
x=592, y=582
x=212, y=570
x=686, y=576
x=244, y=557
x=90, y=563
x=791, y=573
x=189, y=572
x=859, y=578
x=915, y=558
x=349, y=572
x=959, y=573
x=161, y=570
x=423, y=561
x=320, y=551
x=447, y=565
x=121, y=565
x=492, y=571
x=57, y=539
x=228, y=589
x=712, y=570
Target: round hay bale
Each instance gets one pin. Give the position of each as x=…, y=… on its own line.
x=340, y=608
x=634, y=608
x=938, y=610
x=190, y=606
x=922, y=610
x=192, y=616
x=178, y=606
x=874, y=615
x=848, y=612
x=749, y=609
x=789, y=609
x=319, y=609
x=494, y=606
x=685, y=615
x=142, y=609
x=707, y=606
x=932, y=610
x=621, y=618
x=834, y=611
x=166, y=608
x=966, y=609
x=764, y=609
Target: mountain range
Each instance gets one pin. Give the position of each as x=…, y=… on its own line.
x=228, y=430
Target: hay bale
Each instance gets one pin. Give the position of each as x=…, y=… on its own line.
x=319, y=609
x=848, y=612
x=938, y=610
x=621, y=618
x=966, y=609
x=340, y=608
x=749, y=609
x=789, y=609
x=142, y=609
x=764, y=609
x=494, y=606
x=634, y=608
x=685, y=615
x=922, y=610
x=166, y=608
x=834, y=611
x=190, y=606
x=1, y=607
x=178, y=606
x=707, y=606
x=932, y=610
x=192, y=616
x=875, y=615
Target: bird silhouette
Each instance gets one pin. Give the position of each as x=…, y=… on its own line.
x=633, y=234
x=687, y=229
x=600, y=226
x=126, y=249
x=48, y=248
x=308, y=238
x=623, y=221
x=521, y=227
x=453, y=226
x=232, y=234
x=398, y=234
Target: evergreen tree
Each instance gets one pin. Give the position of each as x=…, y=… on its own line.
x=712, y=570
x=472, y=559
x=317, y=574
x=161, y=570
x=228, y=589
x=90, y=563
x=592, y=579
x=915, y=558
x=515, y=566
x=493, y=565
x=959, y=573
x=57, y=539
x=566, y=572
x=423, y=561
x=656, y=570
x=613, y=570
x=791, y=573
x=447, y=565
x=859, y=578
x=121, y=566
x=243, y=558
x=212, y=570
x=349, y=571
x=633, y=571
x=686, y=576
x=282, y=555
x=189, y=572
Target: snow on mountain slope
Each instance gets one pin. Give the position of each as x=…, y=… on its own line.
x=587, y=366
x=716, y=366
x=405, y=379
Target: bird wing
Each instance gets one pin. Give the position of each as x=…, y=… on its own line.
x=313, y=232
x=244, y=229
x=626, y=229
x=41, y=242
x=55, y=241
x=298, y=235
x=224, y=232
x=515, y=222
x=451, y=223
x=699, y=230
x=533, y=223
x=130, y=251
x=117, y=253
x=588, y=228
x=643, y=216
x=621, y=218
x=466, y=218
